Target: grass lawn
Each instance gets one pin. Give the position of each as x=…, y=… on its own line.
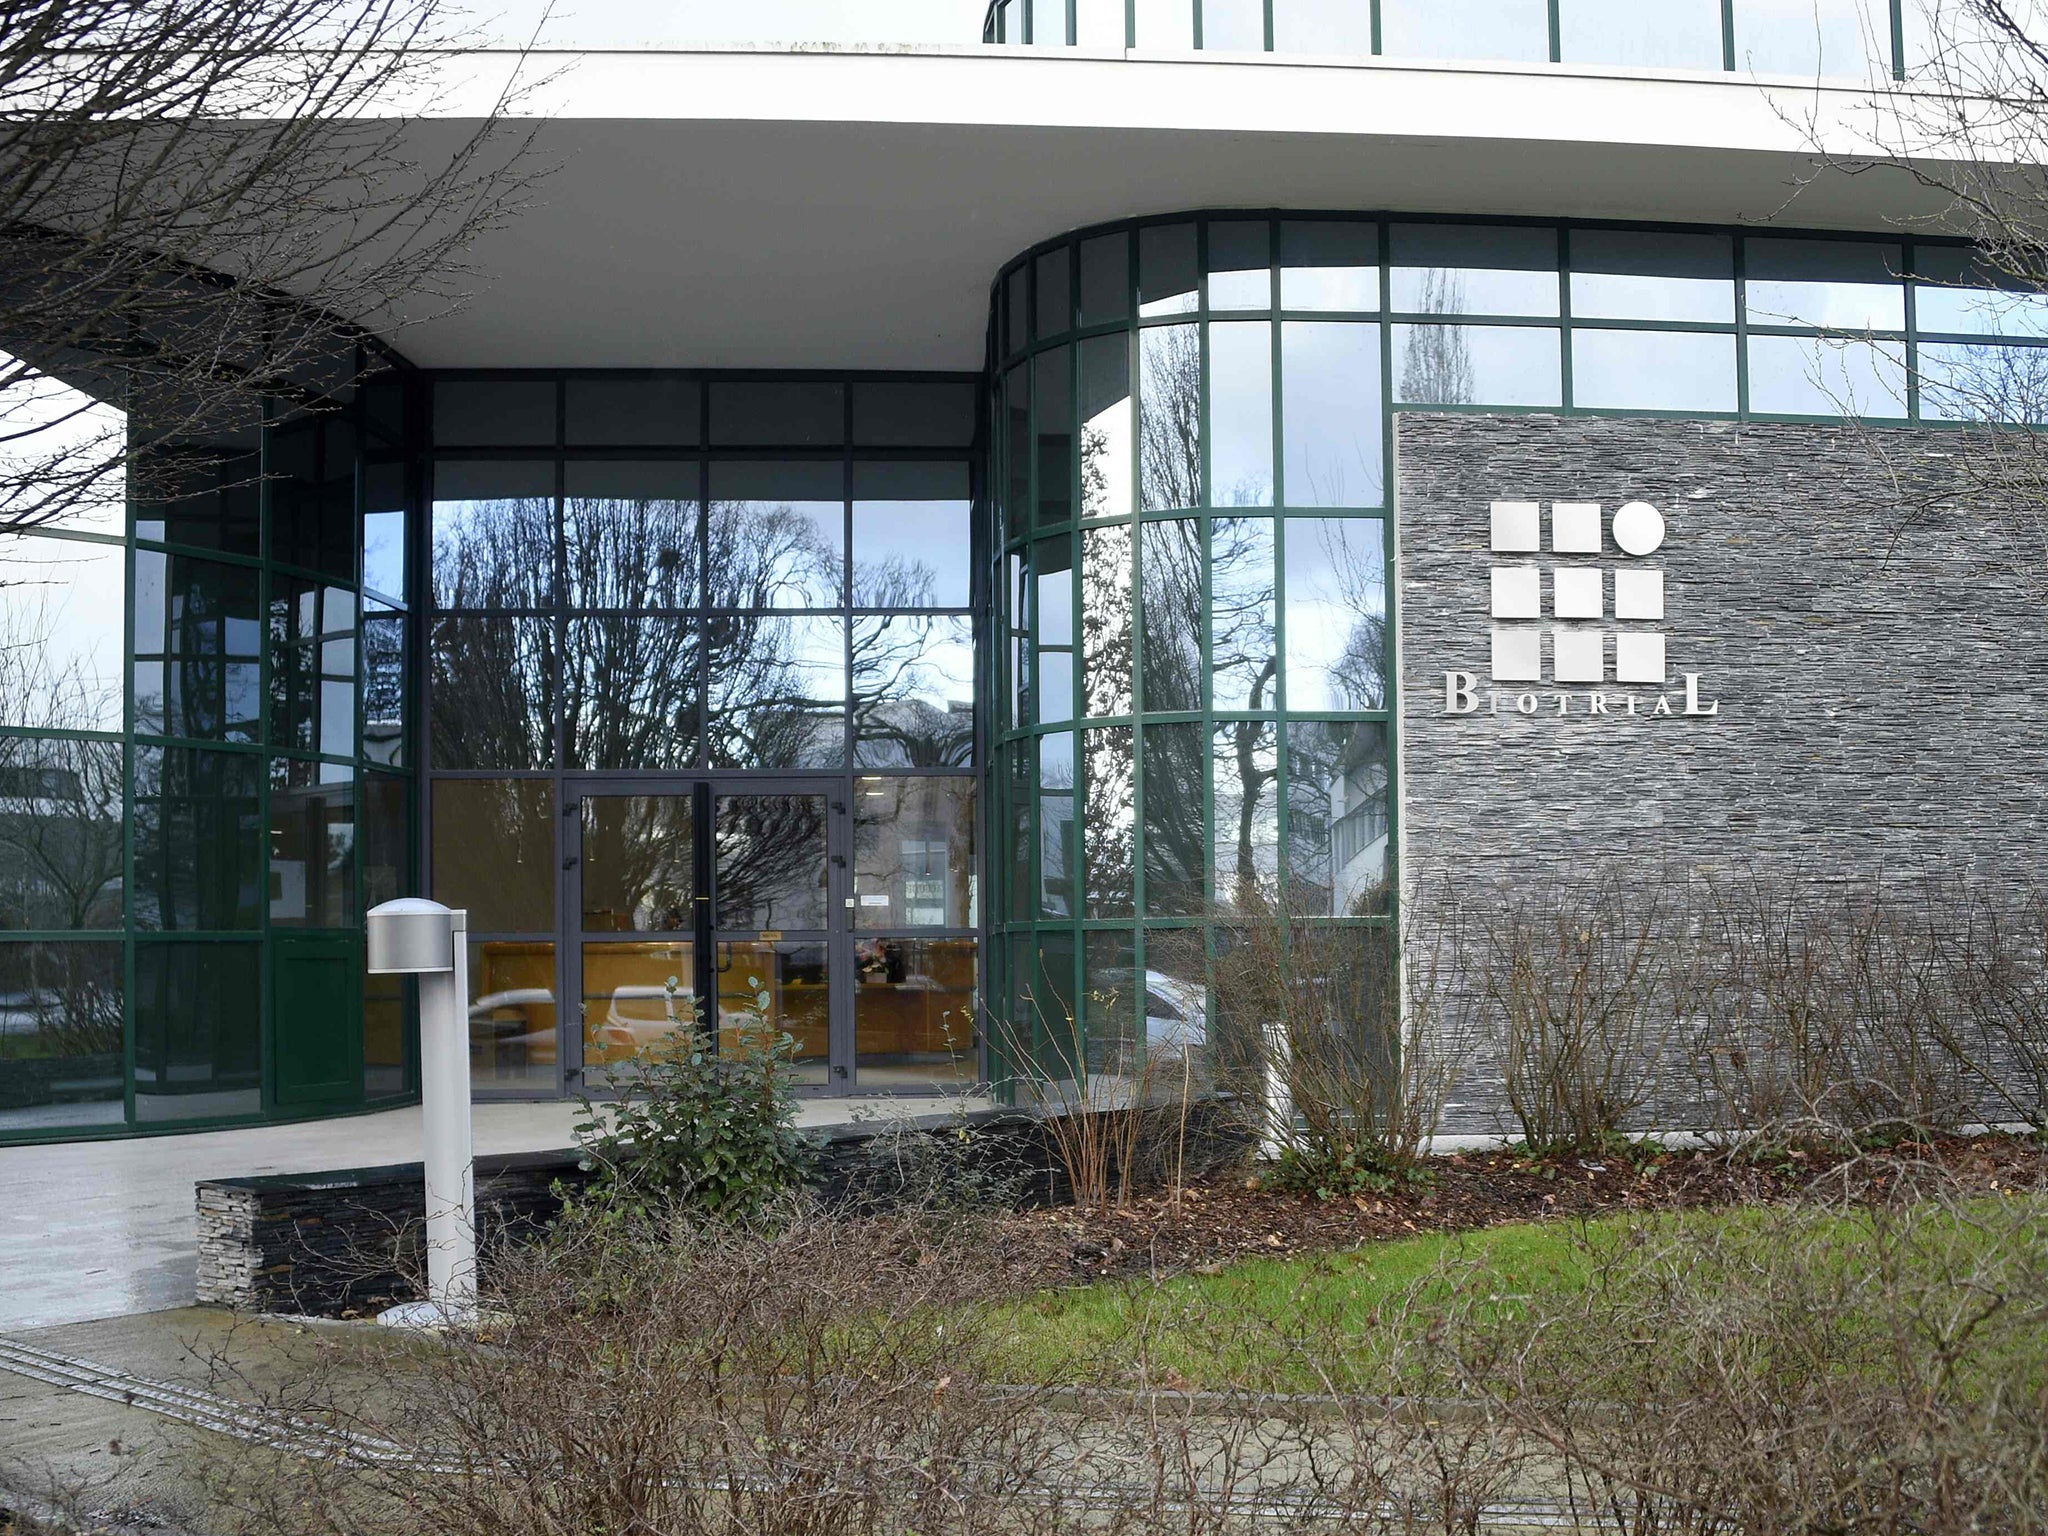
x=1279, y=1323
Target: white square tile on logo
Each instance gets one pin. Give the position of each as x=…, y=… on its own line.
x=1518, y=592
x=1578, y=655
x=1517, y=527
x=1638, y=594
x=1576, y=592
x=1518, y=655
x=1575, y=527
x=1638, y=657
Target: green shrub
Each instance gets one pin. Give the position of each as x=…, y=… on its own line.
x=700, y=1134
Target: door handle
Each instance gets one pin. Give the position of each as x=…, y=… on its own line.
x=569, y=862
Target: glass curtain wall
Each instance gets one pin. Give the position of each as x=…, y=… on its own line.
x=1189, y=670
x=1809, y=38
x=675, y=579
x=205, y=778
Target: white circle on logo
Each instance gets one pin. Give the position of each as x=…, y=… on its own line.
x=1639, y=528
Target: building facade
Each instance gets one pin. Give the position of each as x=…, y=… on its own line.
x=1208, y=451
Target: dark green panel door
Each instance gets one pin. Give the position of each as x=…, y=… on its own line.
x=316, y=1018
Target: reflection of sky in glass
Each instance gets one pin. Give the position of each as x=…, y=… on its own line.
x=1241, y=588
x=1500, y=365
x=816, y=652
x=1449, y=269
x=1961, y=382
x=1814, y=376
x=1329, y=266
x=804, y=542
x=911, y=554
x=1980, y=311
x=1056, y=822
x=1098, y=23
x=1517, y=30
x=1239, y=25
x=1244, y=763
x=1653, y=371
x=1105, y=427
x=1330, y=399
x=1241, y=413
x=1165, y=24
x=384, y=553
x=1240, y=266
x=61, y=608
x=1321, y=26
x=47, y=427
x=1335, y=615
x=1838, y=285
x=1812, y=37
x=1668, y=34
x=1631, y=275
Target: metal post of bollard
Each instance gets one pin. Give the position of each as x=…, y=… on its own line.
x=422, y=938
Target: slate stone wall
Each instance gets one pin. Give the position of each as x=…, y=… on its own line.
x=1877, y=662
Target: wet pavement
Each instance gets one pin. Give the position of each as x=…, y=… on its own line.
x=100, y=1229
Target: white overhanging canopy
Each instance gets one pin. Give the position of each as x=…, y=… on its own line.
x=757, y=208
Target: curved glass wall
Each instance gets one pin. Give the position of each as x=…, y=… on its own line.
x=1190, y=680
x=205, y=780
x=1809, y=38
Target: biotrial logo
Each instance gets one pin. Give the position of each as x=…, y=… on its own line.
x=1580, y=622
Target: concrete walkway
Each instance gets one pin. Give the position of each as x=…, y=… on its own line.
x=100, y=1229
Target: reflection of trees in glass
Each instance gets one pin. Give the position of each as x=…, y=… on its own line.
x=494, y=554
x=639, y=863
x=1109, y=822
x=1176, y=840
x=1337, y=817
x=1056, y=843
x=776, y=691
x=1172, y=590
x=63, y=1002
x=384, y=688
x=913, y=692
x=1247, y=833
x=60, y=833
x=1107, y=623
x=630, y=690
x=60, y=798
x=1170, y=418
x=768, y=854
x=1436, y=363
x=630, y=552
x=914, y=842
x=769, y=555
x=1337, y=626
x=493, y=693
x=1242, y=660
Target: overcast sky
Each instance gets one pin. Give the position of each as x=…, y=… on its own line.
x=597, y=23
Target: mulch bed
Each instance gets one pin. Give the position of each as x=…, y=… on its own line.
x=1224, y=1219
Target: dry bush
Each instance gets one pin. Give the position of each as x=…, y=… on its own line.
x=1995, y=956
x=1871, y=1364
x=1115, y=1107
x=1337, y=1043
x=1851, y=1011
x=821, y=1378
x=837, y=1378
x=1586, y=983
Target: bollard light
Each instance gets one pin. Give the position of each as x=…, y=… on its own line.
x=415, y=937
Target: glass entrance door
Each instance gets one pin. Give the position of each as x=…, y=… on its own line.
x=691, y=902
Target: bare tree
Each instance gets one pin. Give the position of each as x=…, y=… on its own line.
x=204, y=205
x=1968, y=131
